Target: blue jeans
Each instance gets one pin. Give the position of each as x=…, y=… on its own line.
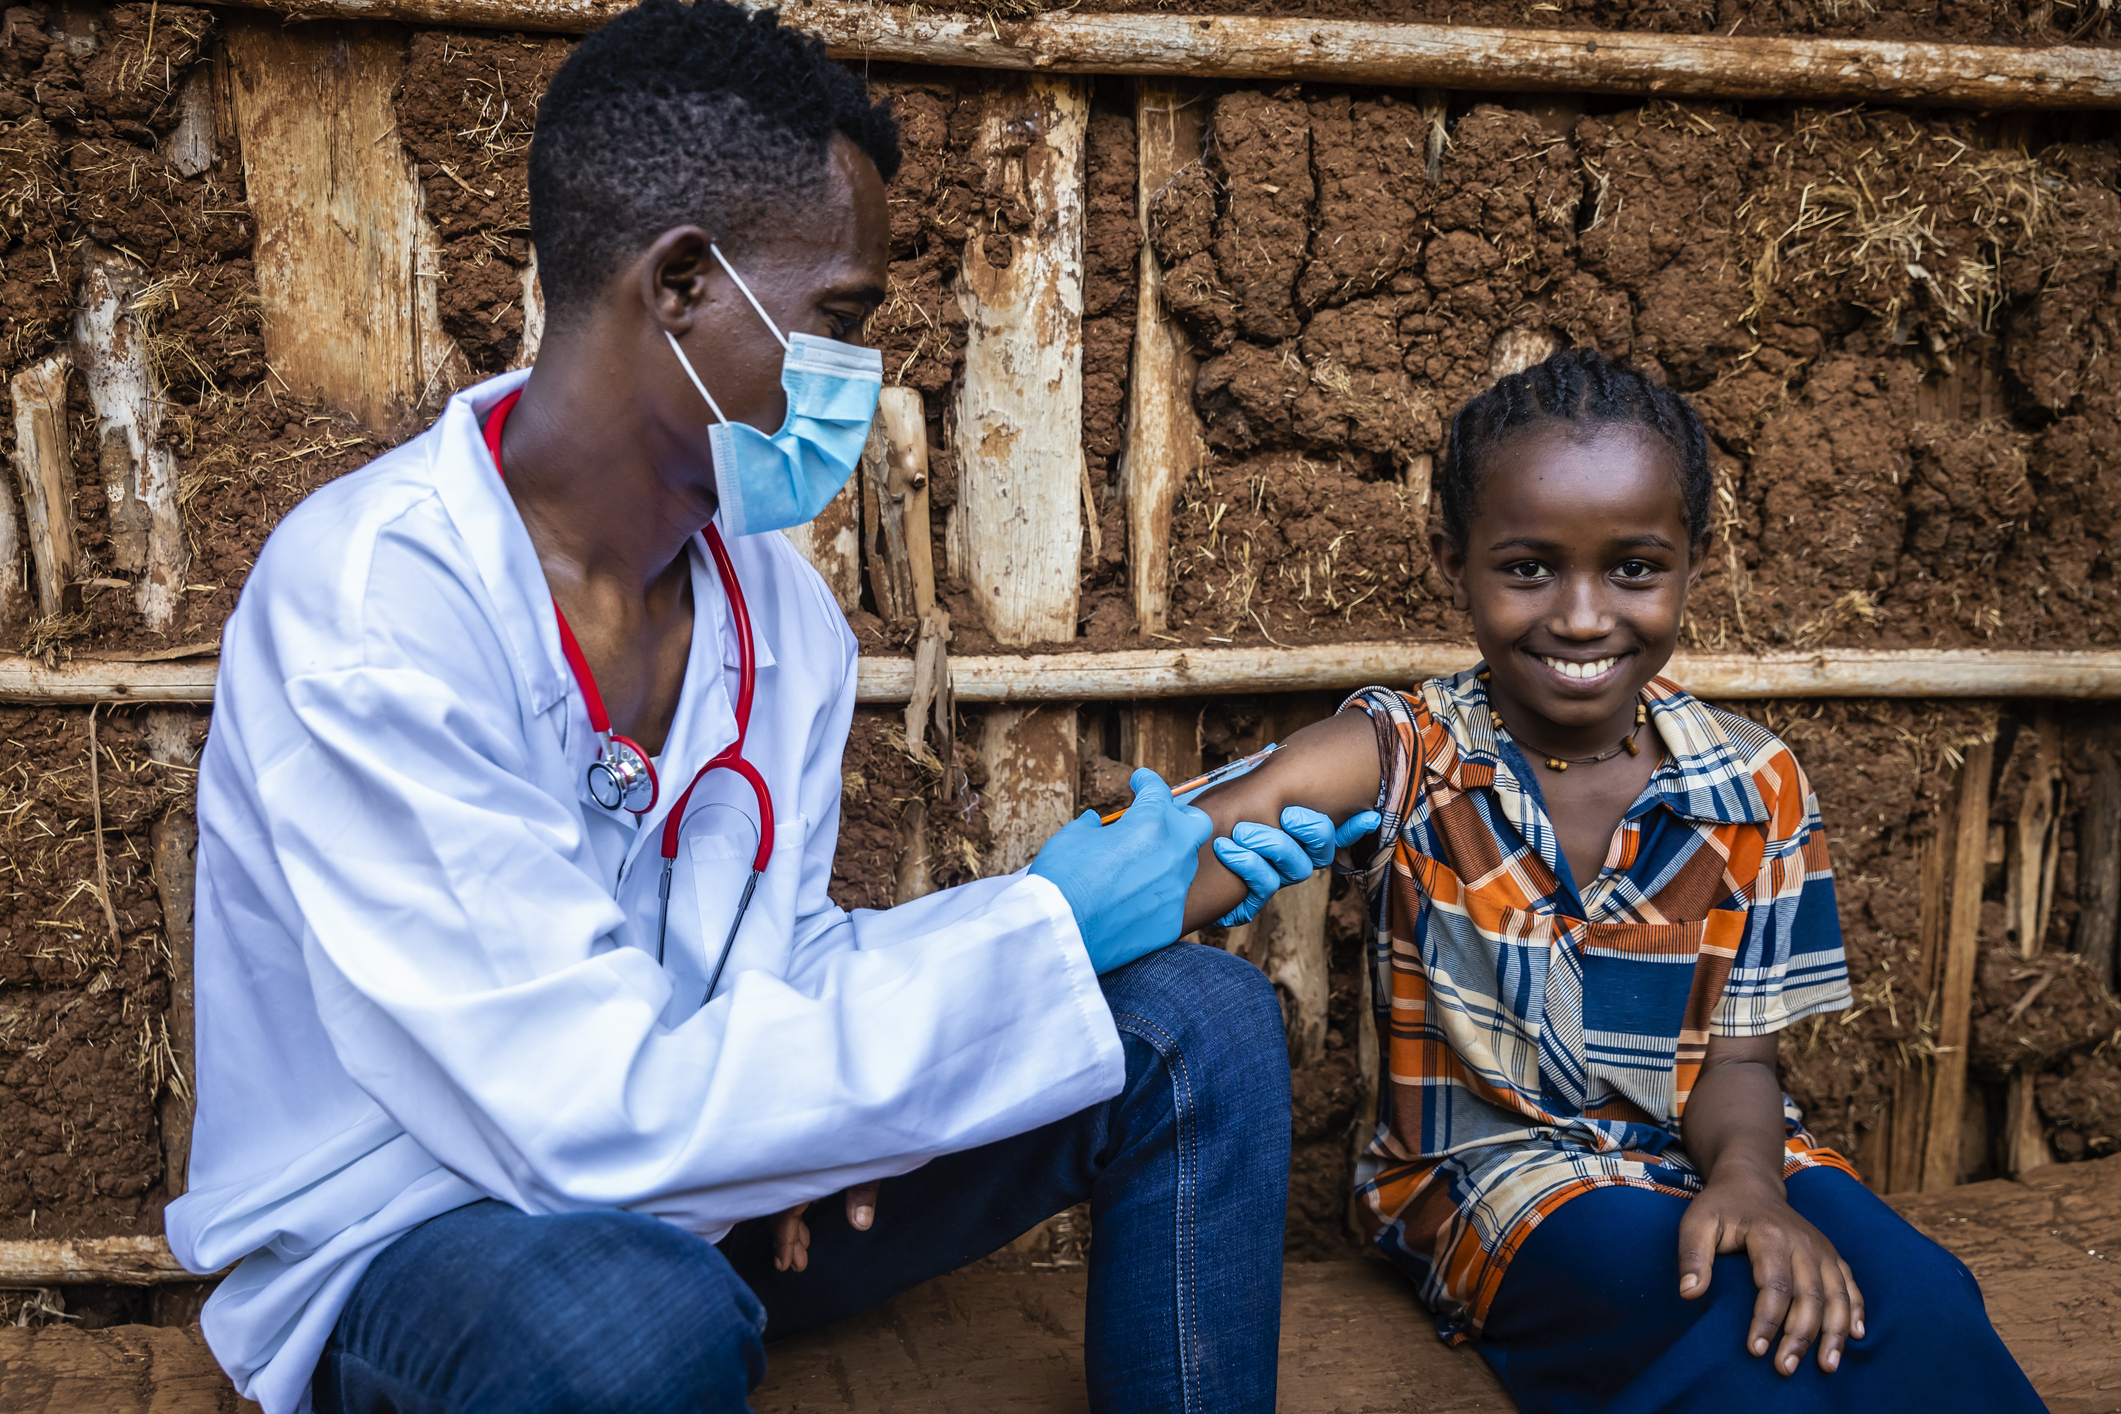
x=1589, y=1317
x=1186, y=1171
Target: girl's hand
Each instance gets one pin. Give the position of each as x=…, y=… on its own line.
x=1806, y=1290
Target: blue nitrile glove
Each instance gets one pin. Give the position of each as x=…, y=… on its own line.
x=1126, y=882
x=1266, y=858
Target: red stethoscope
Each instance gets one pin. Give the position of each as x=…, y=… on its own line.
x=622, y=774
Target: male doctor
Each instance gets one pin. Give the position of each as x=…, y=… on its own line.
x=499, y=1032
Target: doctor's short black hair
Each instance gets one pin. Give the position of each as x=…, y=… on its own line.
x=1584, y=390
x=675, y=114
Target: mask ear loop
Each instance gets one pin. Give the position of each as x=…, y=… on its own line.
x=686, y=364
x=775, y=329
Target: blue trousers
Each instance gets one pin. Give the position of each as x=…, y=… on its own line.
x=1589, y=1317
x=1186, y=1170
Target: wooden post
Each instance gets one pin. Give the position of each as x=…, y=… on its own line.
x=1019, y=436
x=1911, y=1087
x=895, y=507
x=173, y=844
x=139, y=471
x=1287, y=941
x=1020, y=404
x=2033, y=837
x=1030, y=755
x=346, y=259
x=832, y=542
x=44, y=469
x=2099, y=868
x=1955, y=988
x=1164, y=444
x=189, y=146
x=533, y=315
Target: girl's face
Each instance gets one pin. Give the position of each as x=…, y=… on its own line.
x=1576, y=571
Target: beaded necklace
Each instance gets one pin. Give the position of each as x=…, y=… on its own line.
x=1562, y=763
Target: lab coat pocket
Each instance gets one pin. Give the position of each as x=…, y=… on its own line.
x=721, y=867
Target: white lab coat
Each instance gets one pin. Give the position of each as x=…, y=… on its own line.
x=426, y=963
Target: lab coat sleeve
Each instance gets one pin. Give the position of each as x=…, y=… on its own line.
x=469, y=976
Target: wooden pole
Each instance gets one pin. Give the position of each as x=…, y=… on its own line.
x=44, y=470
x=1955, y=989
x=1020, y=402
x=1164, y=444
x=832, y=542
x=1019, y=437
x=2033, y=836
x=1367, y=52
x=89, y=1261
x=173, y=845
x=1198, y=672
x=2099, y=869
x=139, y=470
x=346, y=258
x=1911, y=1086
x=897, y=541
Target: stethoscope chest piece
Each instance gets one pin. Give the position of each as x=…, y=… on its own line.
x=623, y=777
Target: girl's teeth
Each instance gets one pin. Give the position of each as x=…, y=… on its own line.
x=1580, y=670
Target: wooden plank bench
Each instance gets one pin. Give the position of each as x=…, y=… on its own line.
x=995, y=1343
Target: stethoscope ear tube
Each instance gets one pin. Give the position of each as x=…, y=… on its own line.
x=729, y=942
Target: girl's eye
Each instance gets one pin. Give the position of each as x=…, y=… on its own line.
x=1635, y=569
x=1525, y=570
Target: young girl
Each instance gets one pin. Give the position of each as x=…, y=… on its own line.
x=1598, y=903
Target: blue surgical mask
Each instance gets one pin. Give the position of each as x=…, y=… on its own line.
x=771, y=483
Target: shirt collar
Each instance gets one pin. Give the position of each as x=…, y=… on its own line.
x=1705, y=775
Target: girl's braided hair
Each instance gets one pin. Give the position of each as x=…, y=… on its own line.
x=1589, y=390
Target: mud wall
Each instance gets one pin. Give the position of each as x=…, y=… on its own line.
x=1899, y=328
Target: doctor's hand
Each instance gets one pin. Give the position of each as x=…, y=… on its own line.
x=1265, y=858
x=791, y=1235
x=1126, y=882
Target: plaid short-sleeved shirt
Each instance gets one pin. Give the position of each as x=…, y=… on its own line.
x=1538, y=1041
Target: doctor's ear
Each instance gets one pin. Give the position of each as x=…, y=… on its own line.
x=674, y=274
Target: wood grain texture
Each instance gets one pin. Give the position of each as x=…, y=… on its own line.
x=1164, y=444
x=1030, y=756
x=1129, y=674
x=77, y=1261
x=116, y=1370
x=139, y=469
x=346, y=258
x=897, y=542
x=1942, y=1149
x=832, y=542
x=1020, y=401
x=44, y=472
x=1365, y=52
x=2099, y=868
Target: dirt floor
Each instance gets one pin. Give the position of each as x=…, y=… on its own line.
x=1353, y=1336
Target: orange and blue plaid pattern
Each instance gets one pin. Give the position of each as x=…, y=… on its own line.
x=1538, y=1041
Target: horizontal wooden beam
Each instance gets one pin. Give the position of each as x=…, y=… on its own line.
x=1354, y=51
x=90, y=1261
x=1199, y=672
x=1193, y=672
x=86, y=681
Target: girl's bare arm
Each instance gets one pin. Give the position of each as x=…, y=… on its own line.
x=1329, y=766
